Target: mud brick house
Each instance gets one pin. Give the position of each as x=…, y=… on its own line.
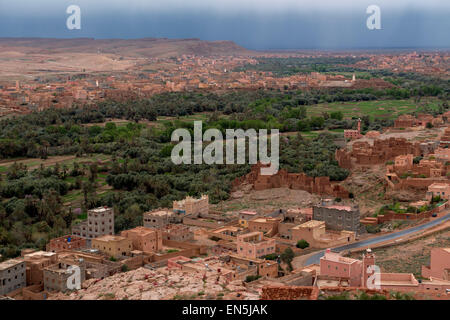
x=114, y=246
x=12, y=276
x=177, y=232
x=296, y=181
x=35, y=263
x=192, y=206
x=66, y=243
x=253, y=245
x=314, y=232
x=144, y=239
x=364, y=153
x=438, y=190
x=269, y=226
x=159, y=218
x=338, y=217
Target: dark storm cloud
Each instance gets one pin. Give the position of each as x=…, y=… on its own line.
x=254, y=24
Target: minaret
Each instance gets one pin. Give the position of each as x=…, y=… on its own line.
x=359, y=125
x=368, y=261
x=354, y=78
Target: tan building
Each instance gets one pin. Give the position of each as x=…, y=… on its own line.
x=438, y=189
x=253, y=245
x=114, y=246
x=144, y=239
x=315, y=234
x=158, y=218
x=35, y=263
x=192, y=206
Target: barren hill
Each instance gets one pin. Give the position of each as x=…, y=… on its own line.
x=26, y=58
x=148, y=47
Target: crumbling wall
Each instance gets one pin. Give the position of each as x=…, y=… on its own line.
x=296, y=181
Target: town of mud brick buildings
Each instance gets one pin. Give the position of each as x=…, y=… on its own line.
x=193, y=250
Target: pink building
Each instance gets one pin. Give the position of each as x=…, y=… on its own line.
x=353, y=134
x=334, y=265
x=439, y=265
x=252, y=245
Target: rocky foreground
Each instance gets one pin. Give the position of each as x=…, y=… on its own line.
x=160, y=284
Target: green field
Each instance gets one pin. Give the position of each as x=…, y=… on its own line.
x=387, y=109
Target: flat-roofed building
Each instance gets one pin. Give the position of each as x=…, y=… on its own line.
x=99, y=222
x=438, y=189
x=12, y=276
x=245, y=216
x=253, y=245
x=177, y=232
x=334, y=265
x=192, y=205
x=144, y=239
x=158, y=219
x=439, y=264
x=67, y=274
x=265, y=225
x=35, y=263
x=314, y=232
x=114, y=246
x=66, y=243
x=338, y=217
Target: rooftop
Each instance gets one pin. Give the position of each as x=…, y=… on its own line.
x=310, y=224
x=110, y=238
x=9, y=264
x=336, y=257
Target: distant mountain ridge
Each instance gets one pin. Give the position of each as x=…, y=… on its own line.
x=146, y=47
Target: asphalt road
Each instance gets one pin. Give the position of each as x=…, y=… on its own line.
x=315, y=259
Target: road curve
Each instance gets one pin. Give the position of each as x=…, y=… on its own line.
x=315, y=259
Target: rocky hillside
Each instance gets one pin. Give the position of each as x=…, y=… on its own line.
x=161, y=284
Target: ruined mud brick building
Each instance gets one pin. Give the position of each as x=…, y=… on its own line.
x=100, y=221
x=363, y=153
x=404, y=121
x=12, y=276
x=404, y=173
x=296, y=181
x=338, y=217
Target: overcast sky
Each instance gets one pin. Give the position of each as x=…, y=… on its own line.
x=255, y=24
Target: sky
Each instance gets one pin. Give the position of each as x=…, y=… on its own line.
x=254, y=24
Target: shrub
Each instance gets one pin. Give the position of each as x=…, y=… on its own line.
x=302, y=244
